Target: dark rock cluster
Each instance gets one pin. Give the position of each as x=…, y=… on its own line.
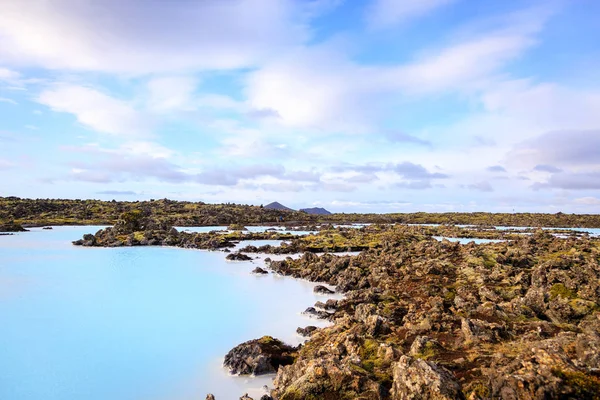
x=260, y=356
x=424, y=319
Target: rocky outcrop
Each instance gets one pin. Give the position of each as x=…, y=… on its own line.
x=419, y=379
x=12, y=227
x=323, y=290
x=313, y=312
x=236, y=227
x=238, y=257
x=423, y=319
x=258, y=357
x=307, y=331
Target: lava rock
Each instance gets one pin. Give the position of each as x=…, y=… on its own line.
x=259, y=356
x=238, y=257
x=420, y=379
x=306, y=331
x=322, y=290
x=260, y=271
x=316, y=313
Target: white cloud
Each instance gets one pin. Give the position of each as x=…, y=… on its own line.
x=459, y=67
x=136, y=36
x=171, y=93
x=385, y=13
x=321, y=87
x=9, y=101
x=588, y=201
x=96, y=110
x=8, y=75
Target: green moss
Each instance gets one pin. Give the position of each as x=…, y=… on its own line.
x=585, y=386
x=139, y=236
x=267, y=340
x=561, y=290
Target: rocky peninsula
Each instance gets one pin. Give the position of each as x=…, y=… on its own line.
x=424, y=318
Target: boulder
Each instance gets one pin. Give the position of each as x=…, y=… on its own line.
x=210, y=396
x=260, y=271
x=322, y=290
x=259, y=356
x=420, y=379
x=316, y=313
x=306, y=331
x=238, y=257
x=246, y=397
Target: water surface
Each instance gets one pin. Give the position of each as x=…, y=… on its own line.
x=132, y=323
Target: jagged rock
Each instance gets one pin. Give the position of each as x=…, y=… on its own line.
x=364, y=311
x=424, y=346
x=322, y=290
x=238, y=257
x=376, y=325
x=306, y=331
x=259, y=270
x=246, y=397
x=316, y=313
x=266, y=397
x=210, y=396
x=260, y=356
x=481, y=331
x=420, y=379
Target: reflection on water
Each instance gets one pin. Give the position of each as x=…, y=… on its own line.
x=132, y=323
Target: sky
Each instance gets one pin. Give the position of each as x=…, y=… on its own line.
x=355, y=106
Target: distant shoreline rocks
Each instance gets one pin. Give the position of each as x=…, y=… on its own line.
x=12, y=227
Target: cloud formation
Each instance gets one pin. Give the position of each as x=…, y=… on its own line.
x=96, y=110
x=139, y=37
x=386, y=13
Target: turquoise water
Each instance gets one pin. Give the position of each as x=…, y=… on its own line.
x=147, y=323
x=467, y=240
x=249, y=229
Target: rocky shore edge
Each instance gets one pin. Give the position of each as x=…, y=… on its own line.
x=423, y=318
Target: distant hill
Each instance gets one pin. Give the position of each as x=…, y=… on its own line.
x=316, y=211
x=277, y=206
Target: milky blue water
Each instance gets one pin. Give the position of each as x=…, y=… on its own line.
x=467, y=240
x=249, y=229
x=138, y=323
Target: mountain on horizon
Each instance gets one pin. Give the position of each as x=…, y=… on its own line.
x=316, y=211
x=277, y=206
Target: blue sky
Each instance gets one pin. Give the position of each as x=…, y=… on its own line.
x=355, y=106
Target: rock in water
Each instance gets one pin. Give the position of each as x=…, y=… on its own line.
x=306, y=331
x=238, y=257
x=246, y=397
x=316, y=313
x=259, y=356
x=323, y=290
x=420, y=379
x=259, y=270
x=210, y=396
